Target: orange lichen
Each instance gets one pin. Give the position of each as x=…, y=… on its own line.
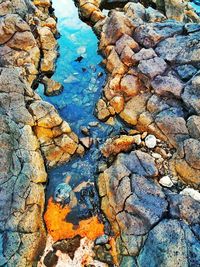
x=59, y=228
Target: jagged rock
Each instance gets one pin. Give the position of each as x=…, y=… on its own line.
x=190, y=95
x=193, y=124
x=110, y=33
x=52, y=87
x=166, y=85
x=133, y=108
x=130, y=85
x=117, y=145
x=168, y=237
x=192, y=153
x=126, y=40
x=117, y=103
x=152, y=67
x=186, y=71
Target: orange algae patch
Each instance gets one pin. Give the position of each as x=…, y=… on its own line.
x=59, y=229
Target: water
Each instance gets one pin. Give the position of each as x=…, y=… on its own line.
x=83, y=82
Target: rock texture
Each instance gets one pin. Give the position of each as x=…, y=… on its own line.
x=153, y=77
x=152, y=61
x=33, y=135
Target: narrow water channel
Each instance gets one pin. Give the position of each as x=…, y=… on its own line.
x=83, y=82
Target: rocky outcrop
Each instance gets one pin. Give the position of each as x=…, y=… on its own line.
x=152, y=85
x=153, y=78
x=33, y=135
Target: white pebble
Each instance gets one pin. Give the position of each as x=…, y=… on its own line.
x=166, y=181
x=156, y=155
x=192, y=193
x=150, y=141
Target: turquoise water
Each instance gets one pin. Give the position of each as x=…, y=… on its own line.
x=83, y=82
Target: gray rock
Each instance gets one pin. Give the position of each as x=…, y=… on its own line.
x=165, y=246
x=186, y=71
x=152, y=67
x=192, y=152
x=139, y=163
x=128, y=261
x=167, y=85
x=193, y=124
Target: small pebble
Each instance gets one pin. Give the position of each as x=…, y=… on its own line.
x=166, y=181
x=156, y=156
x=101, y=240
x=144, y=135
x=93, y=124
x=137, y=139
x=150, y=141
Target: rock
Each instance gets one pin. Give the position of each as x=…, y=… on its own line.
x=150, y=141
x=144, y=54
x=193, y=124
x=133, y=108
x=188, y=174
x=52, y=87
x=85, y=130
x=128, y=261
x=138, y=218
x=50, y=259
x=47, y=39
x=139, y=163
x=68, y=246
x=126, y=40
x=114, y=64
x=152, y=67
x=130, y=85
x=192, y=193
x=117, y=103
x=168, y=237
x=166, y=181
x=153, y=15
x=135, y=11
x=167, y=85
x=102, y=240
x=117, y=145
x=186, y=72
x=127, y=55
x=86, y=142
x=114, y=27
x=192, y=153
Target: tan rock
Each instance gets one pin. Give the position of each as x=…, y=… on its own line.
x=47, y=39
x=133, y=108
x=114, y=64
x=186, y=172
x=66, y=143
x=117, y=103
x=115, y=146
x=130, y=85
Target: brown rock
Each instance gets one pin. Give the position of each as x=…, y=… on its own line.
x=130, y=85
x=193, y=124
x=117, y=103
x=126, y=40
x=192, y=153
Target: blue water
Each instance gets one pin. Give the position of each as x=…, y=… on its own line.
x=82, y=89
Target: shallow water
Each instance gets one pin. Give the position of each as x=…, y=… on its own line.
x=82, y=89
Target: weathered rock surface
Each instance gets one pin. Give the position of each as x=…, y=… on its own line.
x=153, y=74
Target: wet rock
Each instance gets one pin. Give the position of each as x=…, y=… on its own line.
x=86, y=142
x=167, y=85
x=52, y=87
x=150, y=141
x=152, y=67
x=193, y=124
